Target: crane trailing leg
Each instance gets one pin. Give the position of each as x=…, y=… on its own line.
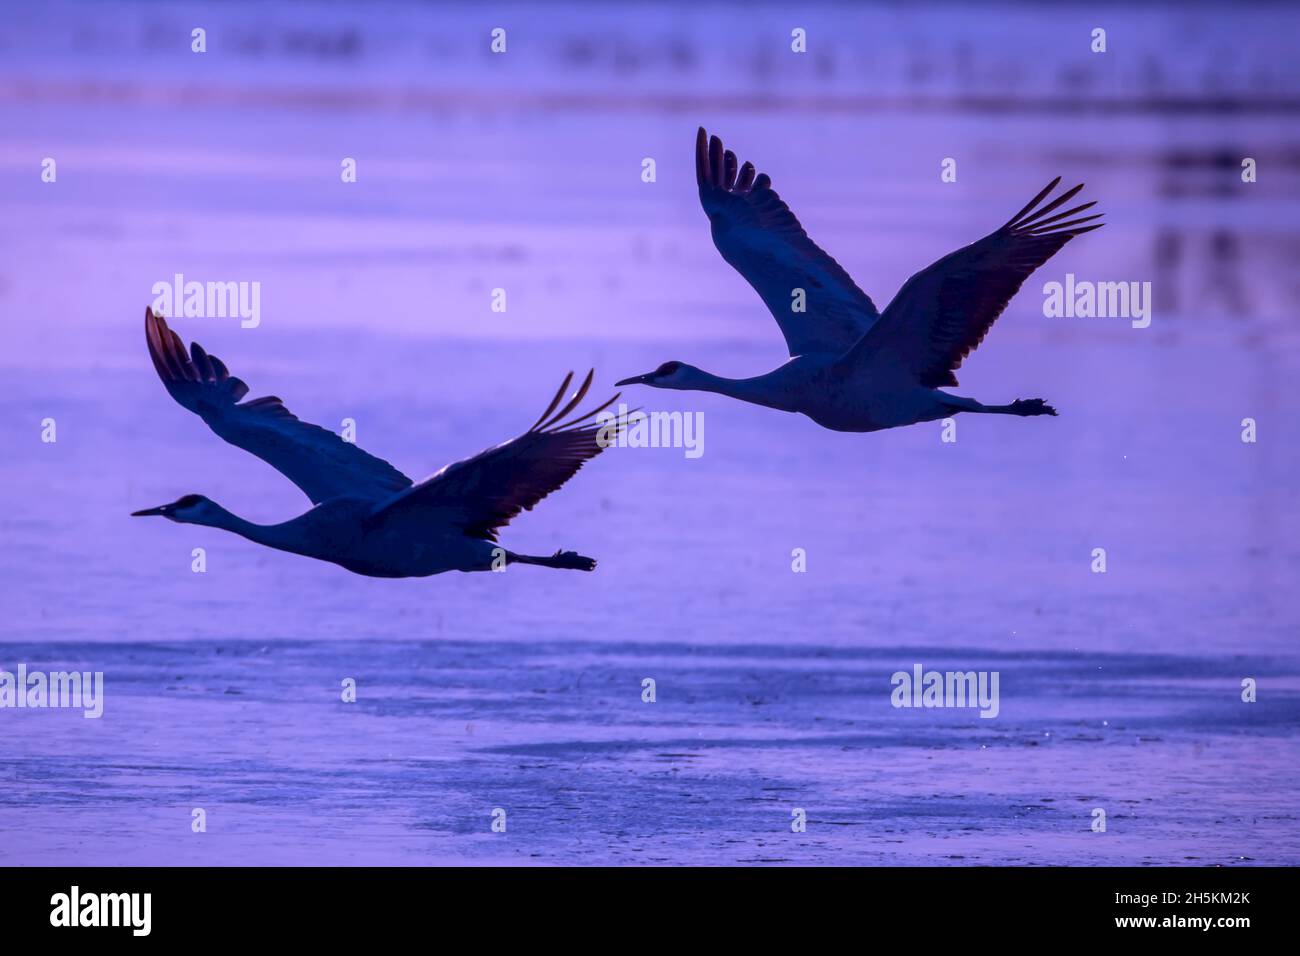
x=568, y=560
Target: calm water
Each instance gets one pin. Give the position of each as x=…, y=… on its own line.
x=522, y=691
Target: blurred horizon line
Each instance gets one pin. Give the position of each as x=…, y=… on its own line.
x=29, y=92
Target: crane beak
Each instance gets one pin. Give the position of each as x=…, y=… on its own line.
x=635, y=380
x=160, y=510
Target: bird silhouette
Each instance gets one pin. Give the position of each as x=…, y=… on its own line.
x=366, y=515
x=852, y=368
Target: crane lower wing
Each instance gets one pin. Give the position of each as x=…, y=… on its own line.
x=482, y=494
x=944, y=311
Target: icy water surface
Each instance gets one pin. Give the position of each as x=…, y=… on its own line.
x=553, y=732
x=523, y=691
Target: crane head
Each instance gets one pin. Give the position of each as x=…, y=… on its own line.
x=668, y=375
x=189, y=508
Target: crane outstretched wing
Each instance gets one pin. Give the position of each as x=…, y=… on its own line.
x=944, y=311
x=482, y=494
x=318, y=461
x=762, y=240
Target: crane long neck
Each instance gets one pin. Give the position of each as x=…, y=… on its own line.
x=270, y=535
x=754, y=390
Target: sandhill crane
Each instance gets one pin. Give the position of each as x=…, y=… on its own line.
x=852, y=368
x=367, y=516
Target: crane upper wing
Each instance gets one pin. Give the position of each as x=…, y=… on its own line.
x=318, y=461
x=762, y=240
x=944, y=311
x=482, y=494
